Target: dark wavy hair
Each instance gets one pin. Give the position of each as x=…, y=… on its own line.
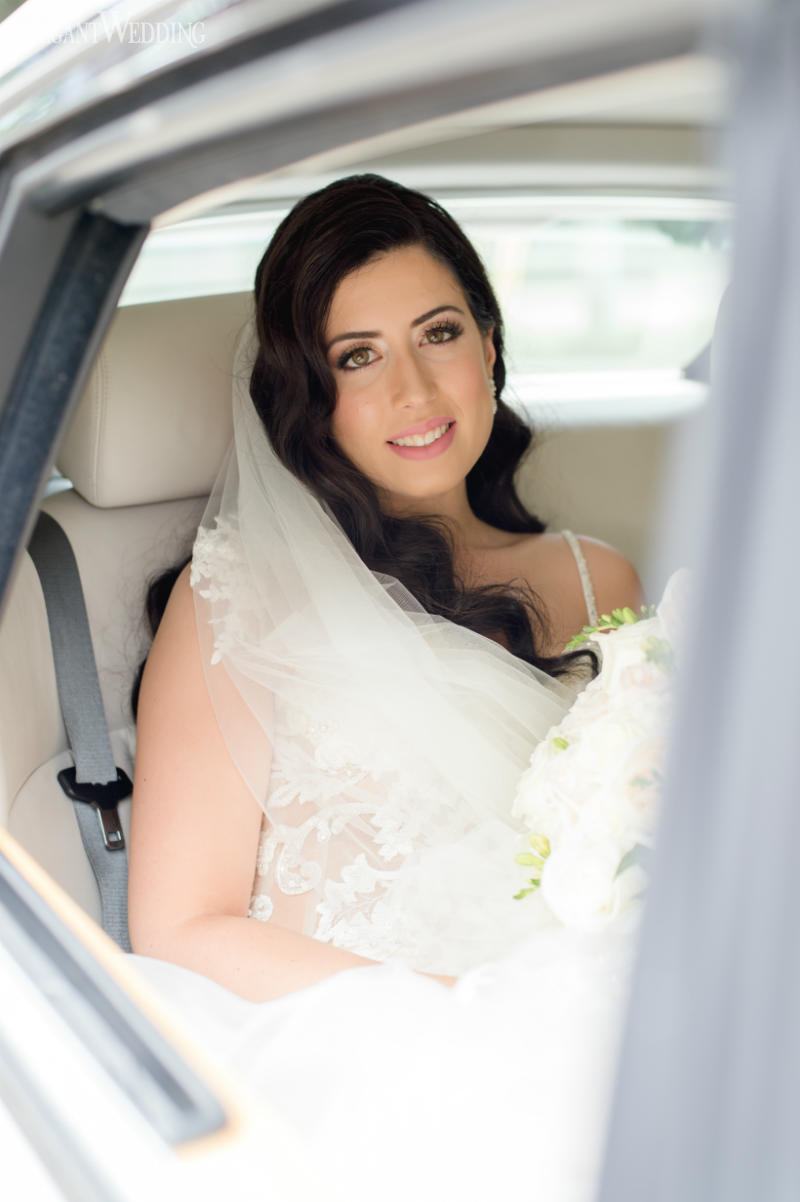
x=324, y=238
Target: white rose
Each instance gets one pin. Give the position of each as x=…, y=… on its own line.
x=642, y=777
x=592, y=787
x=540, y=799
x=646, y=677
x=624, y=648
x=579, y=883
x=593, y=703
x=595, y=759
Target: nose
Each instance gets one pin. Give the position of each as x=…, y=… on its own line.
x=411, y=381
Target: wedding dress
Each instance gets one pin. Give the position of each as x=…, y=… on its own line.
x=384, y=747
x=396, y=1086
x=368, y=853
x=401, y=1089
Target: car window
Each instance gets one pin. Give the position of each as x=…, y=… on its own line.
x=606, y=299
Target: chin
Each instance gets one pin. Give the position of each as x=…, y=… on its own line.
x=424, y=490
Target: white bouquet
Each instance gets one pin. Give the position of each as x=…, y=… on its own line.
x=590, y=796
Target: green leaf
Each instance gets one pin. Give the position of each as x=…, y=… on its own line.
x=618, y=617
x=560, y=744
x=640, y=782
x=659, y=652
x=638, y=855
x=540, y=844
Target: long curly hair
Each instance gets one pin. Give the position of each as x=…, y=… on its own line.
x=324, y=238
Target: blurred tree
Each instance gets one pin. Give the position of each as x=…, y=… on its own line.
x=691, y=233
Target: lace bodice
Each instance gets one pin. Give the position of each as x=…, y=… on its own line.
x=359, y=850
x=362, y=847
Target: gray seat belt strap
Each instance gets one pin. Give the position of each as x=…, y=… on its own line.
x=95, y=785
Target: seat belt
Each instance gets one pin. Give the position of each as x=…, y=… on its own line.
x=95, y=785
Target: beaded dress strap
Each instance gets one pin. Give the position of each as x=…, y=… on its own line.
x=583, y=572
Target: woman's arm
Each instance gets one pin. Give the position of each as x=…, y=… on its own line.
x=194, y=834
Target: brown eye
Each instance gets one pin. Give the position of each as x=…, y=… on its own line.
x=360, y=356
x=445, y=331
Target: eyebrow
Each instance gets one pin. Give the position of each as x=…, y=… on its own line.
x=376, y=333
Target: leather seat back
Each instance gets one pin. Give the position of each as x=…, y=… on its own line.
x=141, y=454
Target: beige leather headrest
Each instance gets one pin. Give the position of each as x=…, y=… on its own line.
x=155, y=418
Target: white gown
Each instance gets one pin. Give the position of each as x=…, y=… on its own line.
x=399, y=1087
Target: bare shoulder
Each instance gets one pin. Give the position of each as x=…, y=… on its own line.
x=173, y=694
x=548, y=565
x=614, y=578
x=174, y=661
x=545, y=563
x=178, y=617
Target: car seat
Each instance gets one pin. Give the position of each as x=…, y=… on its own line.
x=140, y=456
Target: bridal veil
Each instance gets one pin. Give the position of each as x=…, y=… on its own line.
x=330, y=683
x=286, y=608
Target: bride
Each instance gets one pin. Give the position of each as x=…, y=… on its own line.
x=345, y=687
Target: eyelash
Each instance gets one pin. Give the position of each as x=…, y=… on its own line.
x=453, y=328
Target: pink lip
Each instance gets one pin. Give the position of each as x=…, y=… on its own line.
x=423, y=427
x=429, y=452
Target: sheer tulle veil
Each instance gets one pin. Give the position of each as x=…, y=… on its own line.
x=290, y=618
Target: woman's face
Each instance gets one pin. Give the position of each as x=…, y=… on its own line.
x=410, y=365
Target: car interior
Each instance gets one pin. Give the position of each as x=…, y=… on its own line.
x=594, y=153
x=145, y=441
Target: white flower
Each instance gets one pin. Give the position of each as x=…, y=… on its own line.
x=579, y=882
x=593, y=703
x=593, y=784
x=622, y=649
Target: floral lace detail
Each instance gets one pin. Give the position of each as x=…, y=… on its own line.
x=339, y=909
x=261, y=907
x=267, y=845
x=341, y=822
x=219, y=574
x=365, y=843
x=293, y=873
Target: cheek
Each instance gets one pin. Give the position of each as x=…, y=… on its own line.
x=472, y=389
x=351, y=424
x=467, y=375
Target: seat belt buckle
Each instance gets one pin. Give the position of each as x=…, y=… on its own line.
x=104, y=799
